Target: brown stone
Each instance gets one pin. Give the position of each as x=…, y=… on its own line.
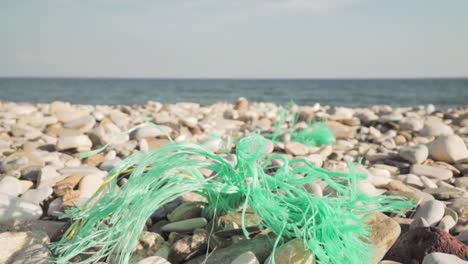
x=67, y=185
x=189, y=247
x=242, y=104
x=415, y=244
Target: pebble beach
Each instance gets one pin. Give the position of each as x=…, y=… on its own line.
x=415, y=152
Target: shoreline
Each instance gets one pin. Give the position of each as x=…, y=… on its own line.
x=416, y=152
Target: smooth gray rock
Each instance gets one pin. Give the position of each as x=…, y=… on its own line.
x=154, y=260
x=11, y=186
x=432, y=211
x=14, y=243
x=246, y=258
x=448, y=148
x=37, y=196
x=79, y=142
x=185, y=225
x=431, y=172
x=436, y=129
x=416, y=154
x=442, y=258
x=14, y=209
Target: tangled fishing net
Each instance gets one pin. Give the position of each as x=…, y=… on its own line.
x=315, y=134
x=107, y=226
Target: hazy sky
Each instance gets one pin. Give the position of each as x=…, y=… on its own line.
x=234, y=38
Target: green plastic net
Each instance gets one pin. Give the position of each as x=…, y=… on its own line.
x=107, y=226
x=315, y=134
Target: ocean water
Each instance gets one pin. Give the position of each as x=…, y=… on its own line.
x=358, y=93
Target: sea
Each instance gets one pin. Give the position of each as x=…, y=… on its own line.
x=443, y=93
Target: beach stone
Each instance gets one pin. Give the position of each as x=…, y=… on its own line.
x=242, y=104
x=419, y=222
x=80, y=143
x=366, y=187
x=411, y=124
x=384, y=231
x=82, y=124
x=432, y=211
x=154, y=260
x=108, y=165
x=411, y=179
x=48, y=176
x=461, y=183
x=11, y=163
x=260, y=246
x=89, y=185
x=341, y=131
x=56, y=208
x=460, y=206
x=246, y=258
x=436, y=129
x=185, y=225
x=293, y=252
x=67, y=185
x=431, y=172
x=448, y=148
x=150, y=132
x=415, y=244
x=212, y=144
x=189, y=247
x=14, y=209
x=416, y=154
x=151, y=243
x=19, y=246
x=65, y=112
x=428, y=183
x=445, y=193
x=37, y=196
x=11, y=186
x=296, y=149
x=37, y=254
x=314, y=189
x=442, y=258
x=447, y=223
x=186, y=210
x=366, y=116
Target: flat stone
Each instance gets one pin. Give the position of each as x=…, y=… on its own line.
x=11, y=186
x=436, y=129
x=37, y=196
x=14, y=209
x=445, y=193
x=48, y=176
x=432, y=211
x=384, y=231
x=261, y=246
x=82, y=124
x=212, y=144
x=411, y=124
x=460, y=206
x=89, y=185
x=151, y=132
x=185, y=225
x=416, y=154
x=448, y=148
x=36, y=253
x=296, y=149
x=67, y=184
x=154, y=260
x=186, y=210
x=411, y=179
x=447, y=223
x=246, y=258
x=79, y=143
x=293, y=252
x=13, y=243
x=431, y=172
x=428, y=183
x=442, y=258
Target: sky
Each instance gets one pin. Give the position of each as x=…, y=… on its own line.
x=234, y=38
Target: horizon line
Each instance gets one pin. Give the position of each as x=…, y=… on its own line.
x=237, y=78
